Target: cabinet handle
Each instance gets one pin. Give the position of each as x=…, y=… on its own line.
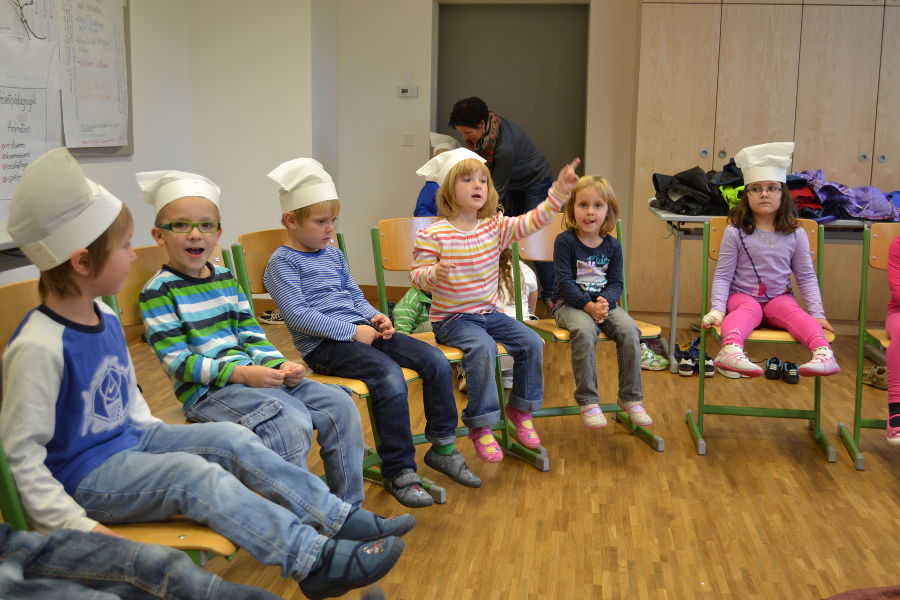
x=722, y=153
x=881, y=158
x=863, y=157
x=704, y=153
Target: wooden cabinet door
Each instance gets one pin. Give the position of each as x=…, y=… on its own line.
x=759, y=57
x=886, y=165
x=675, y=122
x=837, y=91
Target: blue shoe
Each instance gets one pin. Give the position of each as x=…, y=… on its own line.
x=344, y=565
x=773, y=368
x=364, y=526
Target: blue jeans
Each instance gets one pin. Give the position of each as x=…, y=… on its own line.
x=209, y=473
x=477, y=336
x=378, y=365
x=283, y=418
x=620, y=328
x=79, y=565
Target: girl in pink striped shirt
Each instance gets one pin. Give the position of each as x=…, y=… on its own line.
x=456, y=259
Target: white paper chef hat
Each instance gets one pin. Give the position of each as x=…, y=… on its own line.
x=438, y=167
x=303, y=181
x=162, y=187
x=439, y=141
x=765, y=162
x=56, y=210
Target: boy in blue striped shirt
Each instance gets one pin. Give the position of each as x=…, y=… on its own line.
x=222, y=366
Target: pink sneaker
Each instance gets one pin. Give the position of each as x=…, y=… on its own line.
x=822, y=363
x=486, y=446
x=732, y=358
x=524, y=427
x=893, y=433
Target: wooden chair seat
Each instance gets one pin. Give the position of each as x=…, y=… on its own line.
x=357, y=386
x=179, y=533
x=880, y=335
x=778, y=336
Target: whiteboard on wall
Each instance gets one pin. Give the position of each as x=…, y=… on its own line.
x=64, y=80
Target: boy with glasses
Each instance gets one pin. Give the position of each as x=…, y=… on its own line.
x=222, y=366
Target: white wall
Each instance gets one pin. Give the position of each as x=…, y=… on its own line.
x=377, y=41
x=251, y=105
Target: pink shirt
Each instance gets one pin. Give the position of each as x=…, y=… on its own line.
x=472, y=285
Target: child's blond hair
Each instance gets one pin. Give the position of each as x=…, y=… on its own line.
x=302, y=214
x=602, y=187
x=58, y=280
x=446, y=196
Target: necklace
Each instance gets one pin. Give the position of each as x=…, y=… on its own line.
x=769, y=240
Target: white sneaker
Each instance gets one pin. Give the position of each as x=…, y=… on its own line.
x=822, y=364
x=732, y=358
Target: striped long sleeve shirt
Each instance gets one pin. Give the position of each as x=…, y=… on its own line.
x=472, y=285
x=201, y=329
x=317, y=295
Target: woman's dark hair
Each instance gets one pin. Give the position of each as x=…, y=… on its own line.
x=785, y=219
x=469, y=112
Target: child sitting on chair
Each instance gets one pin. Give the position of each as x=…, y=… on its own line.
x=588, y=264
x=223, y=368
x=457, y=258
x=339, y=333
x=892, y=325
x=83, y=446
x=762, y=245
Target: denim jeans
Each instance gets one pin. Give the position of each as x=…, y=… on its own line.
x=78, y=565
x=221, y=475
x=477, y=336
x=378, y=365
x=620, y=328
x=283, y=418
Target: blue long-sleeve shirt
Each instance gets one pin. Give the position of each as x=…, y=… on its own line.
x=426, y=203
x=583, y=274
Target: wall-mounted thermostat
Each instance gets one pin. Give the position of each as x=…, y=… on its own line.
x=408, y=91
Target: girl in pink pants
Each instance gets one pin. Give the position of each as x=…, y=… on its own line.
x=762, y=245
x=892, y=325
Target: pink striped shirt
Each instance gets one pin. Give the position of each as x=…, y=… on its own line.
x=472, y=285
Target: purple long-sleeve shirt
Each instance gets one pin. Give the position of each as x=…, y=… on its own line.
x=775, y=256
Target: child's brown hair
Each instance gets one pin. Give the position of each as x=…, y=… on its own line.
x=302, y=214
x=58, y=280
x=446, y=196
x=602, y=187
x=785, y=218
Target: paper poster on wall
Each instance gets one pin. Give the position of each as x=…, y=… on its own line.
x=29, y=109
x=94, y=81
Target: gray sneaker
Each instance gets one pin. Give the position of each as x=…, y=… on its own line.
x=453, y=466
x=407, y=488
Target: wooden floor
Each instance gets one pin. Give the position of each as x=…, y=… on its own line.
x=763, y=515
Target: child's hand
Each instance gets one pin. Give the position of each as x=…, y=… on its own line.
x=293, y=373
x=442, y=270
x=567, y=177
x=101, y=528
x=596, y=311
x=384, y=326
x=257, y=376
x=826, y=325
x=366, y=334
x=713, y=317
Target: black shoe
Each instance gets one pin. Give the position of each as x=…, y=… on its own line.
x=453, y=466
x=364, y=526
x=344, y=565
x=789, y=372
x=773, y=368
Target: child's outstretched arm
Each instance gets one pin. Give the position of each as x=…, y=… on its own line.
x=514, y=228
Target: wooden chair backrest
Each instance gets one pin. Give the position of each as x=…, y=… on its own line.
x=539, y=245
x=717, y=227
x=397, y=238
x=16, y=299
x=148, y=262
x=880, y=237
x=258, y=247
